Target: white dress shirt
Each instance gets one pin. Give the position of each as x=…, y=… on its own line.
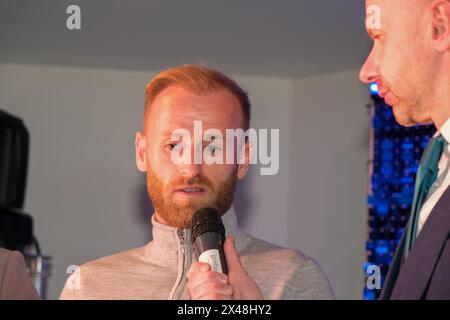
x=442, y=181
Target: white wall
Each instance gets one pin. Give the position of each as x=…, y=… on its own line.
x=88, y=199
x=329, y=176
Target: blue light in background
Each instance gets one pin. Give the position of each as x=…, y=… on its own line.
x=396, y=155
x=373, y=88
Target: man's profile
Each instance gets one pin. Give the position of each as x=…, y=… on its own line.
x=410, y=62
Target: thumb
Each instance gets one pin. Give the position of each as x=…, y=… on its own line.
x=231, y=255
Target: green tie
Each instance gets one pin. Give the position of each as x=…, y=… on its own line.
x=426, y=176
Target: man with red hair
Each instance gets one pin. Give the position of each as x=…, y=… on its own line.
x=167, y=267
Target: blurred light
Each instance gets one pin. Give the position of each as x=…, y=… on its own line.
x=374, y=88
x=369, y=294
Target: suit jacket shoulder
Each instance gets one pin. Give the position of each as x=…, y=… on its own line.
x=425, y=273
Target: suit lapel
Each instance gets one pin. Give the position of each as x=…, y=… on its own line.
x=394, y=269
x=416, y=272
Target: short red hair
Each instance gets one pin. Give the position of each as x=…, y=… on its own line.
x=200, y=80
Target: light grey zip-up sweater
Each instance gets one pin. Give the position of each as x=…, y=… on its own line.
x=158, y=269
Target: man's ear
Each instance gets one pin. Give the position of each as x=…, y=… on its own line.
x=440, y=19
x=141, y=151
x=244, y=163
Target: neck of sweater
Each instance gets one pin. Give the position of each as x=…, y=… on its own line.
x=168, y=240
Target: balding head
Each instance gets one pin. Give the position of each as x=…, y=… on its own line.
x=410, y=59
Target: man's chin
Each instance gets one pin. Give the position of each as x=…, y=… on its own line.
x=182, y=214
x=403, y=118
x=188, y=205
x=405, y=122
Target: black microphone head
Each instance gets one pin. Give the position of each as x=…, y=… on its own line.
x=206, y=220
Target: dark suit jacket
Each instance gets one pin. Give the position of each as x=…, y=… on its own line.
x=14, y=280
x=426, y=272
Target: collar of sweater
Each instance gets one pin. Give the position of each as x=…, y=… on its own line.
x=165, y=247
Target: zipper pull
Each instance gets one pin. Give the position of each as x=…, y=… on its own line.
x=181, y=236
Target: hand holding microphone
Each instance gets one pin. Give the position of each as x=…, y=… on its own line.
x=219, y=274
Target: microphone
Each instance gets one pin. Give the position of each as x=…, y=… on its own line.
x=208, y=237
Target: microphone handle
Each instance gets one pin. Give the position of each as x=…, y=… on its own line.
x=209, y=247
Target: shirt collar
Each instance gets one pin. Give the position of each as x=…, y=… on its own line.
x=445, y=130
x=165, y=243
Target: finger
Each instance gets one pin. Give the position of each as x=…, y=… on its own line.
x=197, y=279
x=197, y=267
x=231, y=255
x=214, y=296
x=211, y=291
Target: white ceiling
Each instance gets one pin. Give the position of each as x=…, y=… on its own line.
x=254, y=37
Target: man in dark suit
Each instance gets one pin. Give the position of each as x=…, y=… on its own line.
x=15, y=283
x=410, y=62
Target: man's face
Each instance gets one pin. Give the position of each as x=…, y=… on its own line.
x=178, y=190
x=400, y=60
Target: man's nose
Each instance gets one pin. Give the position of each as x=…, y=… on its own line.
x=370, y=70
x=190, y=169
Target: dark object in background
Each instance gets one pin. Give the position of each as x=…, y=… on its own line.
x=14, y=145
x=16, y=227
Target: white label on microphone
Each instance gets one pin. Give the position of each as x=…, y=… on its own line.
x=212, y=257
